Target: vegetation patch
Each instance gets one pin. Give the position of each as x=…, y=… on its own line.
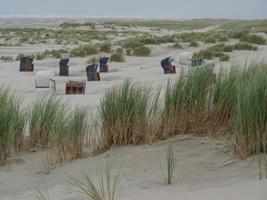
x=117, y=57
x=142, y=51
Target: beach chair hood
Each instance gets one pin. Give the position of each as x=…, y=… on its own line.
x=185, y=58
x=103, y=60
x=64, y=61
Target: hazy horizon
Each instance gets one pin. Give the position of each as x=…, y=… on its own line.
x=151, y=9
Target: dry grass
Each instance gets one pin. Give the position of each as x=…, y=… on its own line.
x=103, y=188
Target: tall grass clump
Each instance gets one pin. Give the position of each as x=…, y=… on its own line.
x=186, y=105
x=123, y=115
x=68, y=136
x=44, y=114
x=170, y=160
x=251, y=115
x=224, y=98
x=103, y=188
x=9, y=109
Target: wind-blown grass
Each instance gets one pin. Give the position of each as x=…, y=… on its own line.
x=9, y=108
x=68, y=138
x=123, y=115
x=170, y=160
x=224, y=98
x=104, y=188
x=44, y=114
x=186, y=103
x=251, y=115
x=12, y=122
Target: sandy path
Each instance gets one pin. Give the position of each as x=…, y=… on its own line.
x=197, y=174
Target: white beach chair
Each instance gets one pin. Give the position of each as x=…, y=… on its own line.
x=44, y=79
x=185, y=59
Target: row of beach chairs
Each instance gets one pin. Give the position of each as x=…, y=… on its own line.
x=44, y=79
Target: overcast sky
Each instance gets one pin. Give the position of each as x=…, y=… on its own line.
x=240, y=9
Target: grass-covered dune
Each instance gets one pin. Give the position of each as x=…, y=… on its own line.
x=233, y=102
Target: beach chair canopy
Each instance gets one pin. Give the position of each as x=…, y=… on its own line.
x=103, y=60
x=25, y=59
x=91, y=68
x=42, y=78
x=64, y=61
x=167, y=61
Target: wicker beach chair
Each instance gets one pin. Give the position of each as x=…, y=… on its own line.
x=92, y=72
x=26, y=64
x=75, y=87
x=63, y=67
x=103, y=64
x=167, y=65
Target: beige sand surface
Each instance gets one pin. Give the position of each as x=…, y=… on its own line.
x=198, y=175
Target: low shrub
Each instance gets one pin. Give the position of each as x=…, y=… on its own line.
x=6, y=58
x=245, y=46
x=193, y=44
x=105, y=47
x=40, y=56
x=117, y=57
x=255, y=39
x=237, y=34
x=224, y=57
x=142, y=51
x=120, y=50
x=128, y=52
x=177, y=46
x=210, y=40
x=204, y=53
x=222, y=39
x=228, y=48
x=83, y=51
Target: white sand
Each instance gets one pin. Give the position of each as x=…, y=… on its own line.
x=197, y=175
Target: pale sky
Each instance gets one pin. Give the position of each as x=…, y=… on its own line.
x=235, y=9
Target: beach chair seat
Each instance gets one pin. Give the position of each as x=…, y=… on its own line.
x=75, y=87
x=26, y=64
x=92, y=72
x=44, y=79
x=103, y=64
